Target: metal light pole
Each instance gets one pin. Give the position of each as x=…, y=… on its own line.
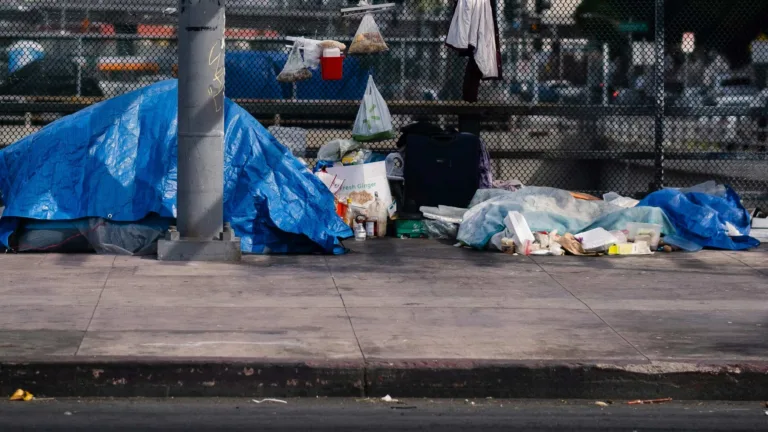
x=202, y=234
x=658, y=84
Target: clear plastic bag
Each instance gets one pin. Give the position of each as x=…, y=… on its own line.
x=368, y=38
x=356, y=157
x=444, y=213
x=335, y=150
x=294, y=69
x=373, y=122
x=441, y=230
x=312, y=52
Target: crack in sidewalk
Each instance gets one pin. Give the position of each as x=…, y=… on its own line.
x=98, y=301
x=352, y=326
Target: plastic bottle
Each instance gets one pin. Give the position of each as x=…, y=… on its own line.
x=349, y=216
x=379, y=211
x=360, y=234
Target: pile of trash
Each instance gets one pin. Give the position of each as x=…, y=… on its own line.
x=638, y=239
x=546, y=221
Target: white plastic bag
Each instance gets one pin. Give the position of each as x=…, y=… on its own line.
x=335, y=150
x=294, y=69
x=368, y=38
x=312, y=52
x=373, y=122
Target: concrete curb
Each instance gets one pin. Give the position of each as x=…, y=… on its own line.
x=226, y=377
x=163, y=377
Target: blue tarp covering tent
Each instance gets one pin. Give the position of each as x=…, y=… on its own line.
x=117, y=160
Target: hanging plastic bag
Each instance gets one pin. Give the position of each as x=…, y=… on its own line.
x=294, y=69
x=373, y=122
x=368, y=38
x=312, y=52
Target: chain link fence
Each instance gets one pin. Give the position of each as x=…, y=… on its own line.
x=596, y=95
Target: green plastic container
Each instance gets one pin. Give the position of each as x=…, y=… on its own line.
x=411, y=228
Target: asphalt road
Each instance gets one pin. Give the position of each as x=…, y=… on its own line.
x=375, y=415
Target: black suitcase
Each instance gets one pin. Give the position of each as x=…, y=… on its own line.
x=441, y=170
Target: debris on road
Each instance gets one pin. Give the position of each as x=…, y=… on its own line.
x=269, y=400
x=21, y=395
x=649, y=401
x=389, y=398
x=602, y=404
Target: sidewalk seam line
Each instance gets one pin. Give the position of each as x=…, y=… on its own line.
x=758, y=271
x=595, y=313
x=351, y=326
x=346, y=311
x=98, y=301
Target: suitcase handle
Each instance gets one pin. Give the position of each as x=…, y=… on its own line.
x=444, y=138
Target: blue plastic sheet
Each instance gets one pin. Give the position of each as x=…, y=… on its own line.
x=702, y=217
x=350, y=87
x=253, y=75
x=117, y=160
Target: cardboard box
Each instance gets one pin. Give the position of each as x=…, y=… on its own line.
x=362, y=182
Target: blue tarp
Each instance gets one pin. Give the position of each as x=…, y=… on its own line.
x=253, y=75
x=350, y=87
x=703, y=217
x=117, y=160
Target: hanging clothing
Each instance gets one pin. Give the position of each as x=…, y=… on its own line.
x=474, y=33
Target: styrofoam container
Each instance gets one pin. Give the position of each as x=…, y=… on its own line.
x=596, y=240
x=760, y=223
x=521, y=233
x=653, y=230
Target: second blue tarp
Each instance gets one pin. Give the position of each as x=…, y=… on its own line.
x=714, y=220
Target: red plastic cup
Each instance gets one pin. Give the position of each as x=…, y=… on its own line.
x=332, y=68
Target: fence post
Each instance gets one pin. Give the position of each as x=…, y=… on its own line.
x=658, y=85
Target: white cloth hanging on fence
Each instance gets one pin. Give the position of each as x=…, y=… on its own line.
x=472, y=28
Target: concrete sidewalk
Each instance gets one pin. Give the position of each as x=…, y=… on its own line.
x=411, y=317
